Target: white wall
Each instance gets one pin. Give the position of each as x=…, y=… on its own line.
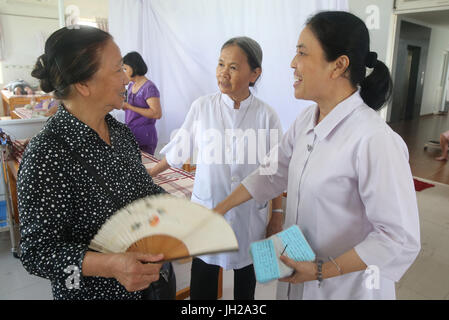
x=25, y=29
x=439, y=43
x=379, y=33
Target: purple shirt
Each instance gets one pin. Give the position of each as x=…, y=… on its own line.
x=139, y=99
x=143, y=128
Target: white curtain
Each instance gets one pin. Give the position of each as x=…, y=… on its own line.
x=181, y=40
x=2, y=43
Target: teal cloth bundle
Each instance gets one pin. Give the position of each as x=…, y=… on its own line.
x=266, y=253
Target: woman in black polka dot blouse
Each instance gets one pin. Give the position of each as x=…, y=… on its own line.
x=62, y=206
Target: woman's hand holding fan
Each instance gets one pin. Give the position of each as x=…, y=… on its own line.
x=136, y=271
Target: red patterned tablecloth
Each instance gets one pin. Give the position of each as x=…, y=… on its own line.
x=175, y=181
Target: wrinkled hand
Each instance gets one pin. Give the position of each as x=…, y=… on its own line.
x=133, y=270
x=303, y=270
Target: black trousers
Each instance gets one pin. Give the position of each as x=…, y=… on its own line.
x=204, y=281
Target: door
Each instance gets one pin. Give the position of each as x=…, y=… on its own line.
x=444, y=103
x=412, y=106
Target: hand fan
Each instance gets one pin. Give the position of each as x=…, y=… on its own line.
x=164, y=224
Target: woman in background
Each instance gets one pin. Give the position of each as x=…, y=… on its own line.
x=143, y=106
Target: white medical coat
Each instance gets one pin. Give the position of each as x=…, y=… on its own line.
x=349, y=186
x=219, y=170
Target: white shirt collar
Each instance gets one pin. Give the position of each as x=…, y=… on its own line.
x=243, y=104
x=341, y=111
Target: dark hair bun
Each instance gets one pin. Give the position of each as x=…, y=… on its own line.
x=40, y=72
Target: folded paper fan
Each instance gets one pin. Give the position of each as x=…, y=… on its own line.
x=164, y=224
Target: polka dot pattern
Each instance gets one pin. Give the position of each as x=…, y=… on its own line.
x=62, y=207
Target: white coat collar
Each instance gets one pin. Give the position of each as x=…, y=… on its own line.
x=243, y=104
x=331, y=121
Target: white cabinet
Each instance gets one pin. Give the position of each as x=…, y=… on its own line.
x=421, y=5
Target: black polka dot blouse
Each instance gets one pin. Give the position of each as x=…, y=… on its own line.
x=61, y=206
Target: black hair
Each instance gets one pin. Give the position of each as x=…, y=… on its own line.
x=135, y=61
x=71, y=55
x=342, y=33
x=252, y=50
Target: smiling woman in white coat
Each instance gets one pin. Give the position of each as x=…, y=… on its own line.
x=232, y=130
x=348, y=180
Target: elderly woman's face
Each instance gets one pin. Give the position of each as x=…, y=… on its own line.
x=234, y=73
x=108, y=83
x=311, y=70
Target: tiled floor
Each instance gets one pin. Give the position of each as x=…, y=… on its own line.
x=426, y=279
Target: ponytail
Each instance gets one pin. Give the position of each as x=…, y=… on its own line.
x=376, y=89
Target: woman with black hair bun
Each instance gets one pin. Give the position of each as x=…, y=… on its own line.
x=349, y=183
x=62, y=205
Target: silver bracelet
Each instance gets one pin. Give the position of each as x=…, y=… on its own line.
x=278, y=210
x=336, y=265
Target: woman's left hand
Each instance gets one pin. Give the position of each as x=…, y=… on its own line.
x=303, y=271
x=125, y=106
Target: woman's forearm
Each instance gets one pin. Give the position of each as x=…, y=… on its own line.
x=154, y=110
x=97, y=264
x=145, y=112
x=277, y=202
x=237, y=197
x=348, y=262
x=161, y=166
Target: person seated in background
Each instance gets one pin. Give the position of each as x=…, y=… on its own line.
x=19, y=87
x=143, y=106
x=444, y=143
x=50, y=106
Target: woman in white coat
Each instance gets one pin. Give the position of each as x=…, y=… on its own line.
x=350, y=189
x=232, y=130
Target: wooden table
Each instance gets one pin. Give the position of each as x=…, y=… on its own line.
x=11, y=101
x=23, y=113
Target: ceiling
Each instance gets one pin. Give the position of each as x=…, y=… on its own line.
x=435, y=18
